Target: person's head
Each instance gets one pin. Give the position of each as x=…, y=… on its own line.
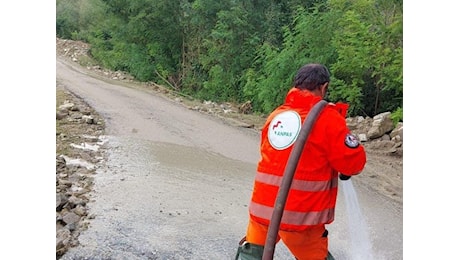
x=313, y=77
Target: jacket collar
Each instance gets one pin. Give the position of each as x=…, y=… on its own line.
x=301, y=98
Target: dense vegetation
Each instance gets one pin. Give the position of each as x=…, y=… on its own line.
x=241, y=50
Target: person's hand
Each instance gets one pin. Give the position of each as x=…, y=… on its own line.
x=344, y=177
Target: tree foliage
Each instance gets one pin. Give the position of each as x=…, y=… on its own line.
x=248, y=50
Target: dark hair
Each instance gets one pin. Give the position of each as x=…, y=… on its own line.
x=311, y=76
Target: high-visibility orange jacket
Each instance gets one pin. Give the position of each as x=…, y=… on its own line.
x=329, y=149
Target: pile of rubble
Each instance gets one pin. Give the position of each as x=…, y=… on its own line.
x=378, y=134
x=79, y=153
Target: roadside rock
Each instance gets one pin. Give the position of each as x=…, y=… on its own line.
x=381, y=125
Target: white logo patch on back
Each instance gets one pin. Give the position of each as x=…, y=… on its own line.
x=284, y=129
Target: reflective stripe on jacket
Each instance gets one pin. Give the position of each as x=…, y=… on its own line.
x=312, y=198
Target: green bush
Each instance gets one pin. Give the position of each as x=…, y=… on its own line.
x=397, y=115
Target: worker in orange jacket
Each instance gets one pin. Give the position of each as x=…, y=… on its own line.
x=330, y=151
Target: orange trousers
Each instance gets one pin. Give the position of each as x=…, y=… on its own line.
x=309, y=244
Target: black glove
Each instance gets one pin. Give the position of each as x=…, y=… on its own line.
x=344, y=177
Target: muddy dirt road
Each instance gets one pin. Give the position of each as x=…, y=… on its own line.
x=177, y=182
